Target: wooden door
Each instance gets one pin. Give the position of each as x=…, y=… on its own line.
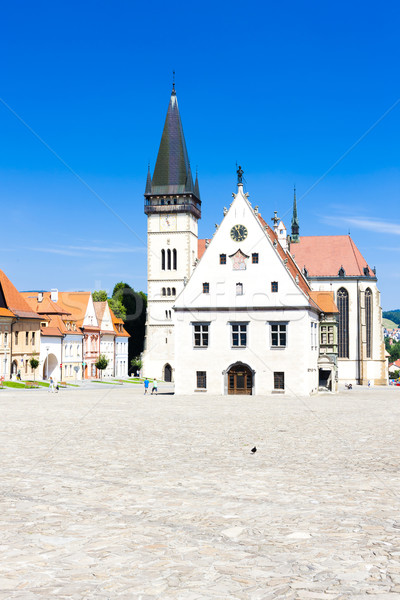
x=240, y=380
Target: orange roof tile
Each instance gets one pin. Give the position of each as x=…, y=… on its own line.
x=323, y=256
x=47, y=306
x=325, y=301
x=4, y=312
x=14, y=301
x=117, y=321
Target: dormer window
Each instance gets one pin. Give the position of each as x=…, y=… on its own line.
x=342, y=272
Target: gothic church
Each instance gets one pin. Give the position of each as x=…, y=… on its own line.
x=251, y=310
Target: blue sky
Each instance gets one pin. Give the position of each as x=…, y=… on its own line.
x=285, y=89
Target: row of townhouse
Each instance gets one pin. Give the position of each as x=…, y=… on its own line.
x=66, y=331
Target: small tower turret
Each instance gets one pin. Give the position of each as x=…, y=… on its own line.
x=295, y=221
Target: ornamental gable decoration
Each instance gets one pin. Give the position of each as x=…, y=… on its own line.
x=239, y=260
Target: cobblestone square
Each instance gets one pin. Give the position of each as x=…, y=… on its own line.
x=107, y=493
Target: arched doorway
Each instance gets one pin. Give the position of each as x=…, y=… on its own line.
x=240, y=379
x=168, y=373
x=49, y=366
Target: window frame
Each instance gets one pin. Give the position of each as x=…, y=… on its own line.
x=239, y=333
x=278, y=333
x=201, y=380
x=277, y=376
x=202, y=334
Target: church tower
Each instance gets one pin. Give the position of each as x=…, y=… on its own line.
x=173, y=208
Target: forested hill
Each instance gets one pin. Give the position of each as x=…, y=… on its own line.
x=392, y=315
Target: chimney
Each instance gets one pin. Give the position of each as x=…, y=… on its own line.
x=40, y=297
x=54, y=295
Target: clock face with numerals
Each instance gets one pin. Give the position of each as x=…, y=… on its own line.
x=238, y=233
x=168, y=222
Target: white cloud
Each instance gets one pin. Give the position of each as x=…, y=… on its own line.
x=368, y=223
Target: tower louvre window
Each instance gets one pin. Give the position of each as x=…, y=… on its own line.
x=163, y=260
x=343, y=306
x=169, y=259
x=174, y=255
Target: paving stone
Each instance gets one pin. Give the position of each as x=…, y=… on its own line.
x=108, y=494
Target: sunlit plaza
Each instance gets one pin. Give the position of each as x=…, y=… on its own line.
x=108, y=493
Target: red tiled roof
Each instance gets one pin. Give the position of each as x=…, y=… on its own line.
x=325, y=301
x=14, y=300
x=117, y=321
x=4, y=312
x=323, y=256
x=51, y=331
x=47, y=306
x=396, y=363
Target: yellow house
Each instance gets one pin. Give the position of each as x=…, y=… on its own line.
x=20, y=331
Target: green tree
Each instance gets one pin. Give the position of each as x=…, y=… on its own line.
x=392, y=315
x=34, y=363
x=99, y=296
x=136, y=363
x=394, y=375
x=101, y=364
x=117, y=307
x=135, y=304
x=394, y=352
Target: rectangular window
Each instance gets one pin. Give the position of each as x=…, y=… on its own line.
x=33, y=338
x=278, y=335
x=279, y=380
x=26, y=338
x=239, y=335
x=323, y=335
x=222, y=259
x=200, y=331
x=239, y=289
x=254, y=258
x=274, y=286
x=206, y=288
x=330, y=334
x=201, y=379
x=16, y=337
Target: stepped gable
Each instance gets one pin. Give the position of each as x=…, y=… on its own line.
x=12, y=299
x=323, y=256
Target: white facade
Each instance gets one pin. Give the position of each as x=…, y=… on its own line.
x=121, y=356
x=72, y=356
x=172, y=254
x=5, y=347
x=50, y=357
x=234, y=286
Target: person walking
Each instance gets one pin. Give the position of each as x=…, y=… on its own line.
x=146, y=385
x=154, y=388
x=51, y=385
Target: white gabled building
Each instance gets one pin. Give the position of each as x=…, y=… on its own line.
x=107, y=335
x=245, y=317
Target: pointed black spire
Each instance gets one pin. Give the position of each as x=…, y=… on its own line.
x=295, y=221
x=172, y=171
x=196, y=187
x=147, y=191
x=189, y=181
